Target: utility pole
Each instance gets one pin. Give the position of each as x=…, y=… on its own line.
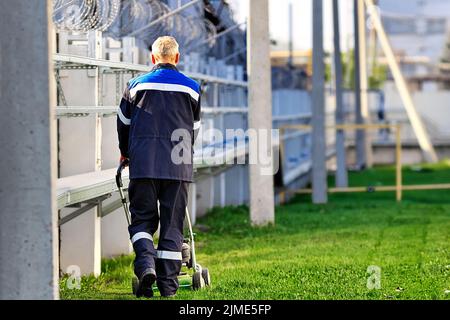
x=362, y=25
x=28, y=218
x=360, y=143
x=319, y=170
x=262, y=200
x=291, y=37
x=372, y=47
x=341, y=157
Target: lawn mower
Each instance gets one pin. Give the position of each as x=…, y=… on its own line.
x=195, y=276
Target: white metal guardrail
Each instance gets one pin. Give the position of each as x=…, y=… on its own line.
x=63, y=111
x=89, y=187
x=66, y=61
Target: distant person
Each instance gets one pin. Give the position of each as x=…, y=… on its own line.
x=381, y=115
x=153, y=107
x=303, y=79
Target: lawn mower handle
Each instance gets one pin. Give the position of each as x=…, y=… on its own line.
x=119, y=184
x=122, y=166
x=123, y=198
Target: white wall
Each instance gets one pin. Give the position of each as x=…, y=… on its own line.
x=433, y=106
x=85, y=239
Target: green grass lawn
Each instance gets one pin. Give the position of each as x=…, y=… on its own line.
x=319, y=252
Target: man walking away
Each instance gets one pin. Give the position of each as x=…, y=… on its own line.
x=154, y=107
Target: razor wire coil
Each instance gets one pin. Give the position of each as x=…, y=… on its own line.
x=122, y=18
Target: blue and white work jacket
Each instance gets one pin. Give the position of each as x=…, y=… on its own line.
x=153, y=107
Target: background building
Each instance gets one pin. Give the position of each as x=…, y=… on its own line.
x=418, y=31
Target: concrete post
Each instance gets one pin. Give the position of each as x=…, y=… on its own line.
x=364, y=78
x=319, y=170
x=360, y=143
x=217, y=102
x=291, y=36
x=28, y=219
x=262, y=200
x=341, y=157
x=95, y=51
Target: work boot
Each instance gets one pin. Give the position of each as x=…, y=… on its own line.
x=146, y=283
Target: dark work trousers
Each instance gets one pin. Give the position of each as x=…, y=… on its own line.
x=166, y=260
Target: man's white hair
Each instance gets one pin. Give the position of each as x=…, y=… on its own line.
x=165, y=48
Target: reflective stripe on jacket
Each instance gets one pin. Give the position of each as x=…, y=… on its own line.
x=153, y=107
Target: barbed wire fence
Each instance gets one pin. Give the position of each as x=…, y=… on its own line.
x=142, y=19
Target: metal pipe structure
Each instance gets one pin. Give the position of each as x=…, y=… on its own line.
x=65, y=61
x=414, y=117
x=319, y=170
x=398, y=160
x=95, y=51
x=341, y=157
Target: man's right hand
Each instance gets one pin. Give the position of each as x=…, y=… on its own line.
x=122, y=159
